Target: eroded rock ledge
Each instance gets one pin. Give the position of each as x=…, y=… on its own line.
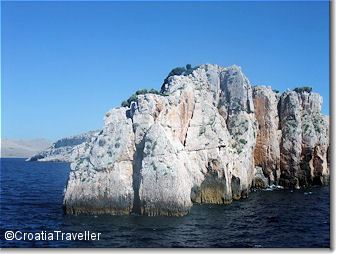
x=208, y=139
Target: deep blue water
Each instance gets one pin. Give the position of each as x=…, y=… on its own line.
x=31, y=201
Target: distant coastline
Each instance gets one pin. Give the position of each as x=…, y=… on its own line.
x=22, y=148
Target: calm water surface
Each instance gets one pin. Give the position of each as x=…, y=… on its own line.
x=31, y=201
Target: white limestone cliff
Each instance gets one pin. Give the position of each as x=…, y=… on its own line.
x=207, y=138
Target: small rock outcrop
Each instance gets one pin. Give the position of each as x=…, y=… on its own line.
x=209, y=137
x=63, y=150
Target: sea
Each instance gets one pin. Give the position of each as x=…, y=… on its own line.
x=31, y=202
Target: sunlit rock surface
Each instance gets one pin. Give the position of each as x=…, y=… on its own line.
x=208, y=138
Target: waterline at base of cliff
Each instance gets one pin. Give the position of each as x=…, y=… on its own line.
x=31, y=200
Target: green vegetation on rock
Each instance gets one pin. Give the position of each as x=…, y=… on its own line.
x=303, y=89
x=188, y=69
x=133, y=98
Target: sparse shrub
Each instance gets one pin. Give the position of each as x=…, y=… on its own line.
x=317, y=129
x=202, y=130
x=177, y=71
x=303, y=89
x=133, y=98
x=124, y=104
x=154, y=91
x=188, y=69
x=141, y=92
x=243, y=141
x=101, y=142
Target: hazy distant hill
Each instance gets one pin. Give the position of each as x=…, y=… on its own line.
x=22, y=148
x=65, y=149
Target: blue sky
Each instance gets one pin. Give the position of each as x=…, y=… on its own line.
x=64, y=64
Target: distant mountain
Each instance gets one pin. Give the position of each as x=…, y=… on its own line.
x=63, y=150
x=22, y=148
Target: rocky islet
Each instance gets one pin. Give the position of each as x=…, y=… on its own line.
x=209, y=137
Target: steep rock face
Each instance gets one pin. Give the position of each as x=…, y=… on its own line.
x=305, y=139
x=165, y=182
x=101, y=177
x=194, y=143
x=241, y=123
x=63, y=150
x=267, y=149
x=291, y=143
